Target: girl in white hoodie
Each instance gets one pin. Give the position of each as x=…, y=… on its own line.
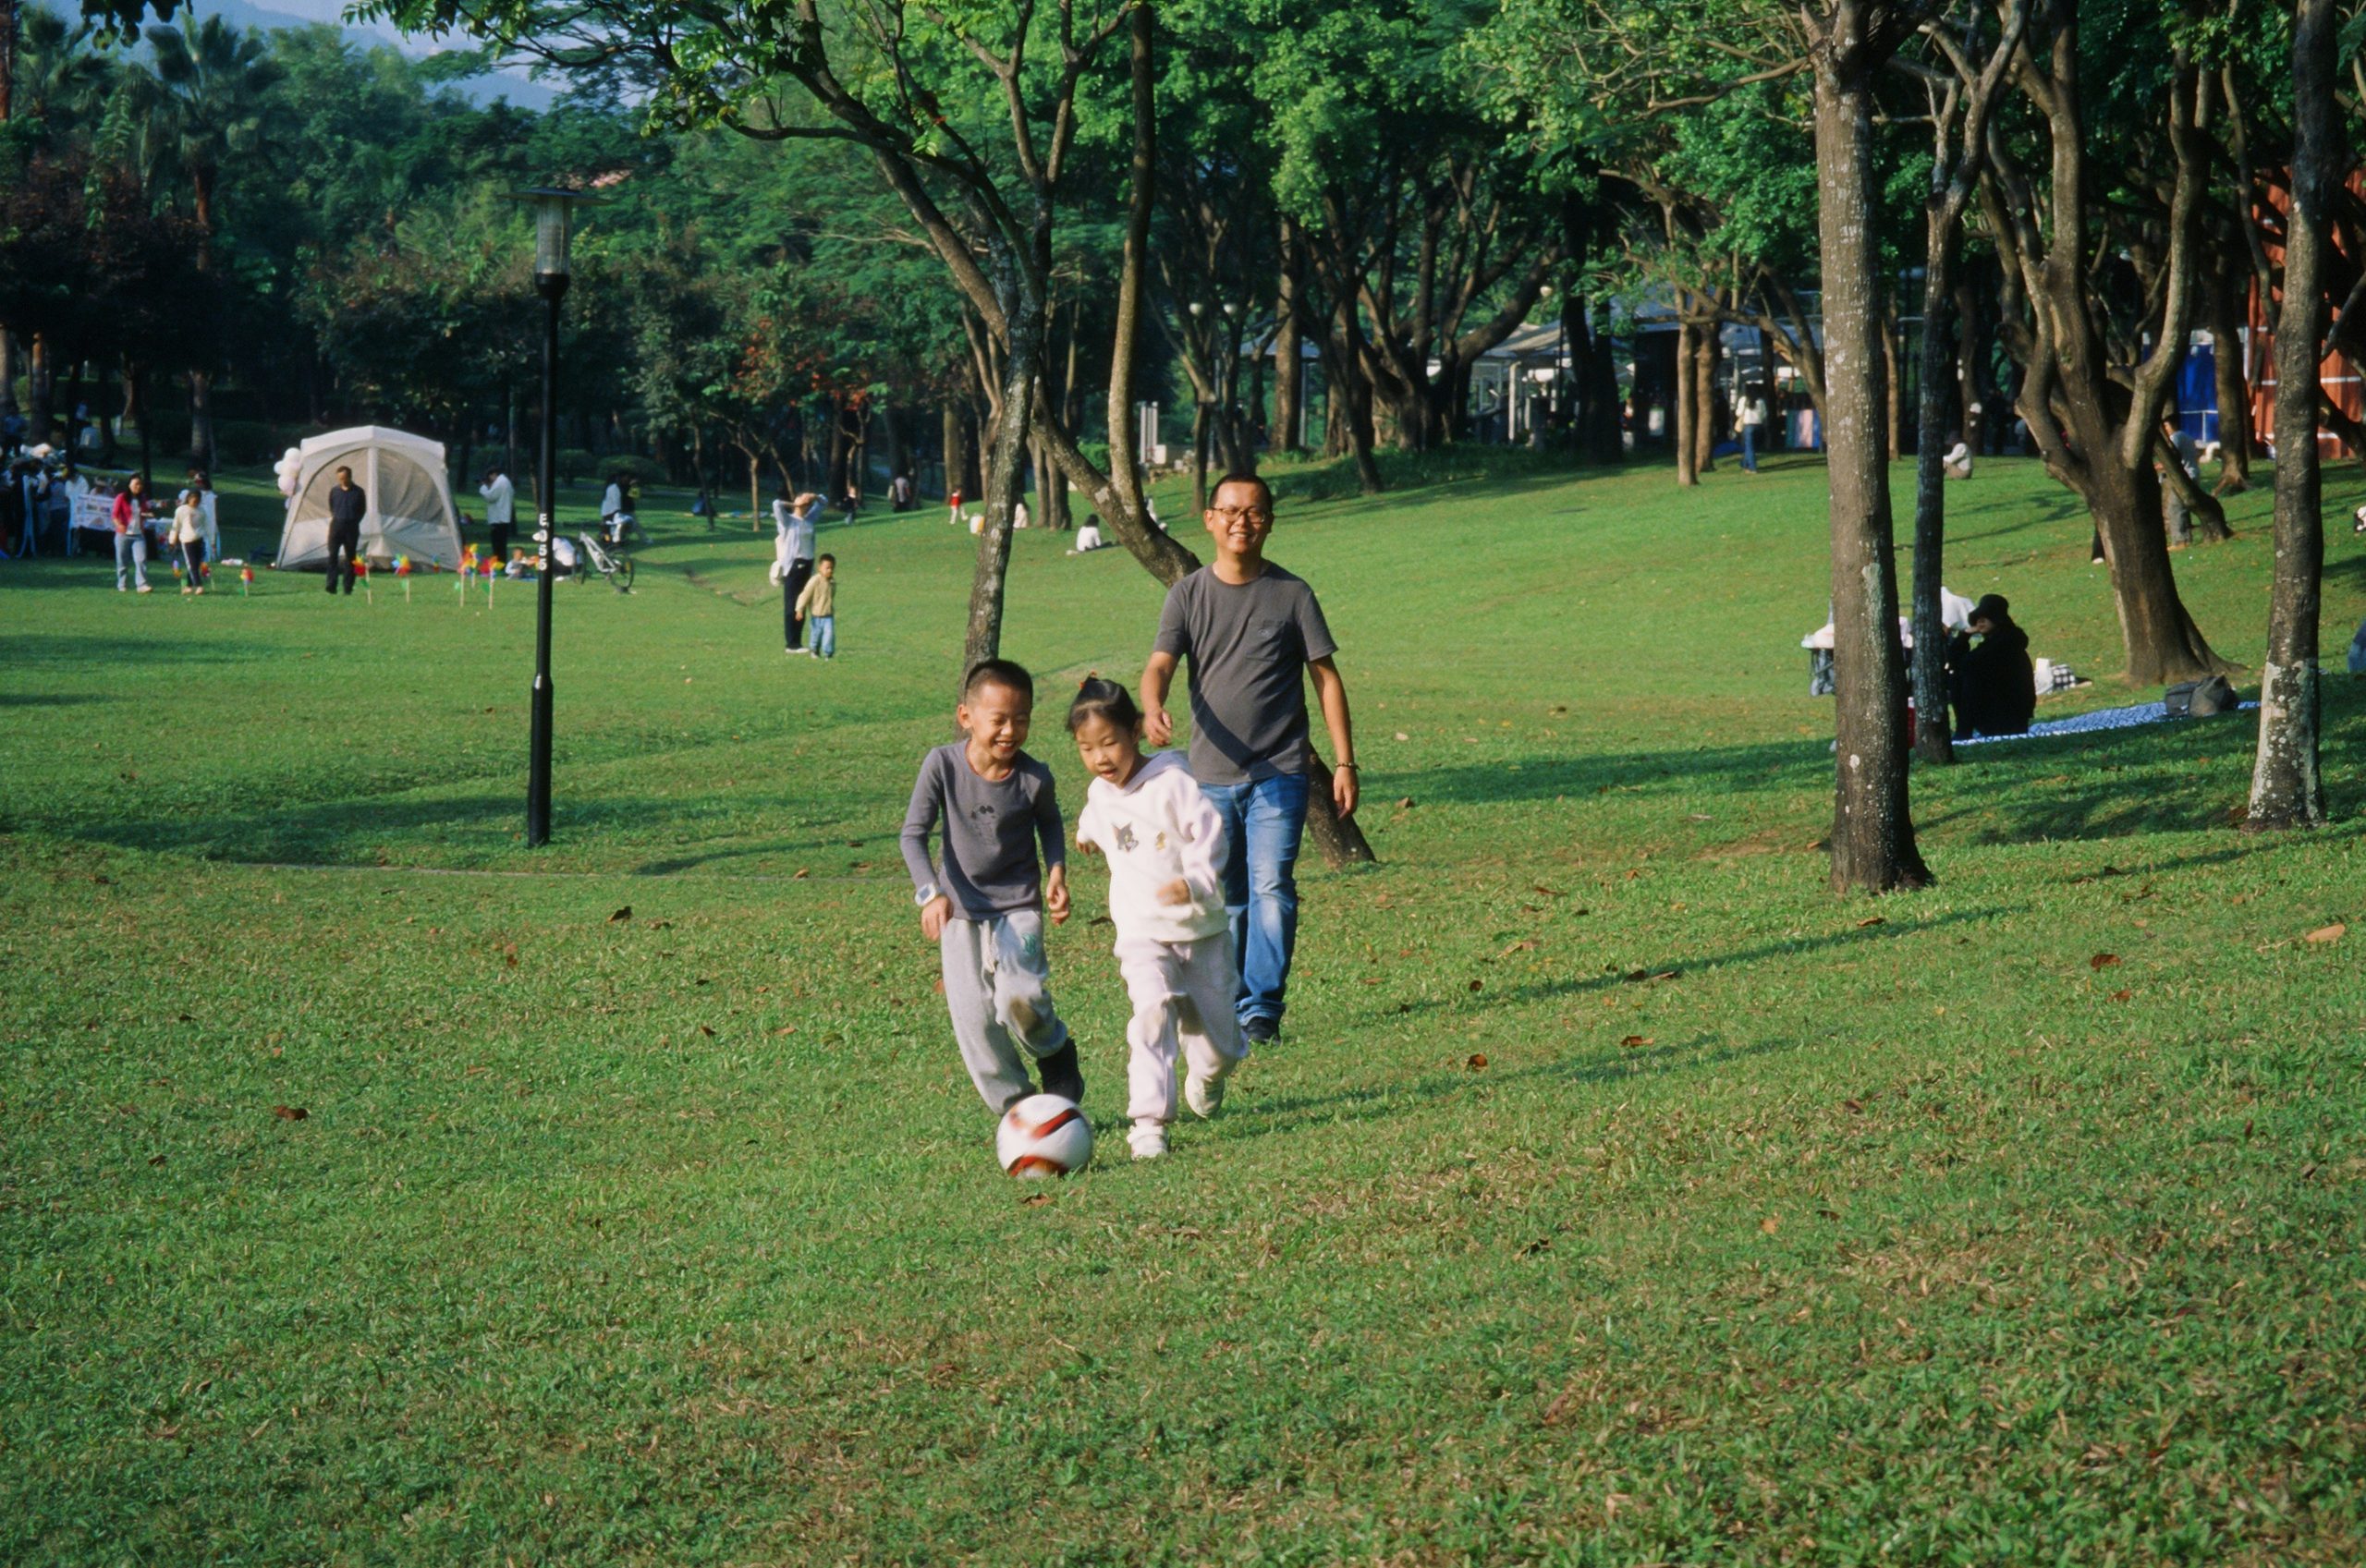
x=1164, y=845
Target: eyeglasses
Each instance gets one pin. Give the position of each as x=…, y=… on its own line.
x=1242, y=514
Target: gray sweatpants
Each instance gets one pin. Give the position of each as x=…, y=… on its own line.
x=997, y=988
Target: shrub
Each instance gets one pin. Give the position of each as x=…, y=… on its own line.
x=645, y=471
x=574, y=463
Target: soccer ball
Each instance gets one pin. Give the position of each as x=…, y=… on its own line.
x=1044, y=1134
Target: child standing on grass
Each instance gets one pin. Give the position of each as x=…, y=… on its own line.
x=1164, y=841
x=984, y=904
x=189, y=538
x=818, y=606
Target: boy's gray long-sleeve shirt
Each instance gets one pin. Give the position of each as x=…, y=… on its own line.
x=992, y=831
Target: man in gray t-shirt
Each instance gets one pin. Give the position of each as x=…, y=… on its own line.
x=1253, y=635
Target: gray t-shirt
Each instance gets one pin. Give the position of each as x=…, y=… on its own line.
x=991, y=829
x=1248, y=645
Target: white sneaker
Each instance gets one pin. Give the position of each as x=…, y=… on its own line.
x=1148, y=1143
x=145, y=589
x=1205, y=1096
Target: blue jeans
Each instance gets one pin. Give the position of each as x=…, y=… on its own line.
x=130, y=555
x=826, y=636
x=1750, y=449
x=1262, y=822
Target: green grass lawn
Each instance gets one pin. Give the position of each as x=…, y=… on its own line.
x=1615, y=1196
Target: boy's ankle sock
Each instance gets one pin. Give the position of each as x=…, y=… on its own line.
x=1062, y=1075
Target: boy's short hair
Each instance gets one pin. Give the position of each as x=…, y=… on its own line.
x=826, y=556
x=998, y=671
x=1263, y=489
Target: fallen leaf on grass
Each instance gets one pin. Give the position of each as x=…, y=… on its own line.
x=2120, y=995
x=1037, y=1201
x=290, y=1113
x=2102, y=961
x=1854, y=1107
x=706, y=1031
x=2328, y=933
x=623, y=913
x=156, y=1160
x=791, y=1029
x=1474, y=985
x=1477, y=1061
x=509, y=954
x=1549, y=892
x=1523, y=945
x=1631, y=1042
x=1406, y=804
x=1770, y=1224
x=803, y=872
x=1871, y=921
x=104, y=881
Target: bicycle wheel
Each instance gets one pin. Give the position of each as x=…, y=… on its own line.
x=623, y=576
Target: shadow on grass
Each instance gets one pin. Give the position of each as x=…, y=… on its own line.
x=51, y=700
x=1281, y=1116
x=1790, y=947
x=1534, y=777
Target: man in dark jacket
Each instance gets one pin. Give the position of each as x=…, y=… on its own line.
x=347, y=503
x=1993, y=684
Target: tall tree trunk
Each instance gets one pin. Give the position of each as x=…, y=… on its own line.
x=1023, y=317
x=1707, y=345
x=2288, y=791
x=7, y=345
x=755, y=487
x=1349, y=384
x=2227, y=287
x=953, y=434
x=1893, y=444
x=1872, y=833
x=1933, y=735
x=1973, y=391
x=1289, y=365
x=1688, y=407
x=2209, y=518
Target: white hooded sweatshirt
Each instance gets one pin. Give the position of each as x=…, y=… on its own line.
x=1158, y=828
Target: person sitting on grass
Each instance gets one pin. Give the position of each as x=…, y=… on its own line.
x=1165, y=842
x=1088, y=535
x=983, y=903
x=1993, y=686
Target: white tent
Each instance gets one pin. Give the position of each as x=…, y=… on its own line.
x=410, y=501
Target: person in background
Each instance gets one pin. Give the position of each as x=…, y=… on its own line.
x=817, y=604
x=187, y=535
x=131, y=520
x=1957, y=463
x=349, y=503
x=793, y=523
x=1749, y=413
x=612, y=501
x=209, y=504
x=1991, y=685
x=2186, y=455
x=500, y=509
x=953, y=504
x=1088, y=535
x=900, y=496
x=854, y=496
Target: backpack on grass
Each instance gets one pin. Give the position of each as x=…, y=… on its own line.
x=2199, y=700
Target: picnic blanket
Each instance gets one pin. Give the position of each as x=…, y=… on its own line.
x=2087, y=723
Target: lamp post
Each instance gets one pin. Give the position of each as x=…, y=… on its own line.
x=553, y=210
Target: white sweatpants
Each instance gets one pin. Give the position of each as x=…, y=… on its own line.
x=997, y=986
x=1185, y=994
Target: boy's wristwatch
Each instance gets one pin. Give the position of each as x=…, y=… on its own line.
x=926, y=896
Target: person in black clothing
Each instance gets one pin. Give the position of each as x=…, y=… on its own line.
x=347, y=501
x=1991, y=684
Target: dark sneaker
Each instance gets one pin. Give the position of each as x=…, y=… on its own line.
x=1061, y=1073
x=1261, y=1031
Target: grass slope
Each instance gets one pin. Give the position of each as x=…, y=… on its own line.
x=1617, y=1196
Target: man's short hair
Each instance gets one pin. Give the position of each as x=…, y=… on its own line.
x=343, y=473
x=1263, y=489
x=999, y=672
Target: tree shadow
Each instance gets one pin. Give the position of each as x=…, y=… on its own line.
x=52, y=700
x=1662, y=970
x=1272, y=1118
x=1540, y=777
